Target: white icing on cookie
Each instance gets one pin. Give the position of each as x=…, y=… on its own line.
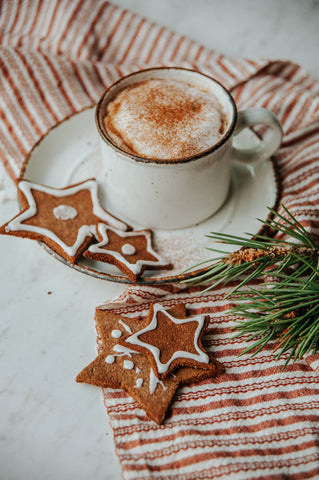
x=116, y=333
x=128, y=249
x=139, y=382
x=110, y=359
x=136, y=267
x=121, y=350
x=200, y=356
x=128, y=365
x=154, y=381
x=65, y=212
x=84, y=231
x=127, y=327
x=138, y=370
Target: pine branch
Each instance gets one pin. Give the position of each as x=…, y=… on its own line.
x=285, y=309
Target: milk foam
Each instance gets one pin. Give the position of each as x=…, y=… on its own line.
x=165, y=120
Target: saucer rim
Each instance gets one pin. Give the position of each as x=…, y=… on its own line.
x=151, y=280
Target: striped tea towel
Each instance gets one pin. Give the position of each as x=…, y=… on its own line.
x=255, y=421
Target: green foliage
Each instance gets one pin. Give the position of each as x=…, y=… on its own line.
x=284, y=305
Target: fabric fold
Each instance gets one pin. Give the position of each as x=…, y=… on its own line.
x=61, y=61
x=255, y=420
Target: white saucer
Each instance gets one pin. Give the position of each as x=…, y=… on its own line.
x=69, y=153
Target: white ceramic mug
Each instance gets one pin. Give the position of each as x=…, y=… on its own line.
x=170, y=195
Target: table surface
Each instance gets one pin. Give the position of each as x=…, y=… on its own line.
x=50, y=426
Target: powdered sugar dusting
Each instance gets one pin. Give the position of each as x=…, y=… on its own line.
x=165, y=119
x=185, y=252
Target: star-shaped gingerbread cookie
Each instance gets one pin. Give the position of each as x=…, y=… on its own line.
x=119, y=366
x=64, y=219
x=171, y=342
x=131, y=252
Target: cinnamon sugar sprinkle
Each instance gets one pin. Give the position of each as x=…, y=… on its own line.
x=165, y=120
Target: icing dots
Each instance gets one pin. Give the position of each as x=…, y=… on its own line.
x=128, y=249
x=108, y=247
x=59, y=240
x=110, y=359
x=139, y=382
x=65, y=212
x=128, y=365
x=116, y=333
x=135, y=371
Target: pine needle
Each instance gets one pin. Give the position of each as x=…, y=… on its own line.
x=285, y=309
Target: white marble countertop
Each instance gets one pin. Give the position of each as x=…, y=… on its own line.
x=50, y=426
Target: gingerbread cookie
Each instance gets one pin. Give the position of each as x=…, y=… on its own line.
x=171, y=340
x=131, y=252
x=120, y=366
x=64, y=219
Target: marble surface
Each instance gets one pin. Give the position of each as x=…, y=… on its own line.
x=50, y=426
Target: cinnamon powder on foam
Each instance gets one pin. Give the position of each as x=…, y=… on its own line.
x=164, y=120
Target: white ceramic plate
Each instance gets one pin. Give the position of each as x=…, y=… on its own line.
x=69, y=153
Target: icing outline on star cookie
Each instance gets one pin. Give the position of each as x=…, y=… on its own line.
x=26, y=187
x=126, y=251
x=163, y=368
x=109, y=369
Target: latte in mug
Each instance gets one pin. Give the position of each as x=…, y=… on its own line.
x=167, y=146
x=165, y=120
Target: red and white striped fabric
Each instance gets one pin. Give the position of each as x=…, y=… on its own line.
x=255, y=421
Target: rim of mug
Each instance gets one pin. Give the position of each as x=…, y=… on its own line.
x=174, y=161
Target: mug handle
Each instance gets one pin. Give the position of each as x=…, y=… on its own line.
x=270, y=142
